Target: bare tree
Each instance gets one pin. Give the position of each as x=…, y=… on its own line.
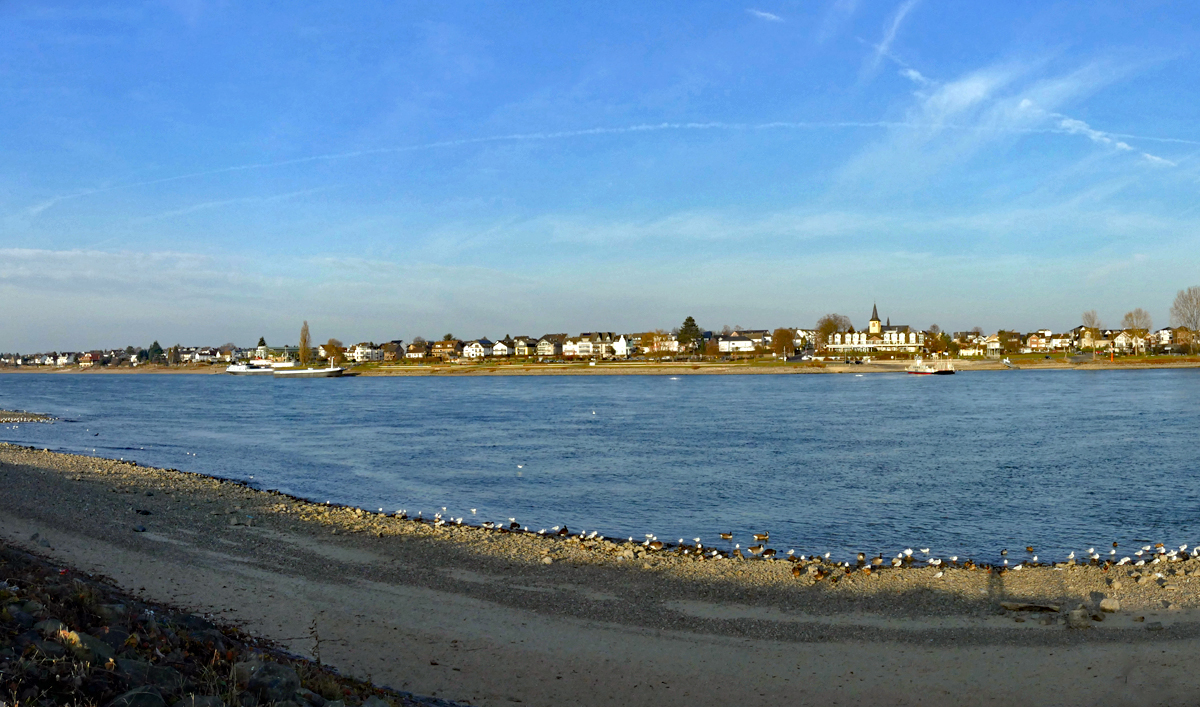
x=977, y=331
x=831, y=324
x=1138, y=324
x=1091, y=327
x=333, y=351
x=783, y=341
x=305, y=345
x=1185, y=313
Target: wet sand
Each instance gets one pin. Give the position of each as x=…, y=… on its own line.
x=478, y=615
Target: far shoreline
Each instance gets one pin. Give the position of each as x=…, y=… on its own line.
x=637, y=368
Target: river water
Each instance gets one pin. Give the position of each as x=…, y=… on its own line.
x=965, y=464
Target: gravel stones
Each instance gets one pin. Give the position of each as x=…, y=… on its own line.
x=139, y=697
x=271, y=682
x=1110, y=605
x=1079, y=618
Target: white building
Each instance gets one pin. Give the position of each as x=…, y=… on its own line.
x=625, y=346
x=364, y=353
x=735, y=344
x=478, y=348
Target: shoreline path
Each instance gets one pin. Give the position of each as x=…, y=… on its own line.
x=495, y=618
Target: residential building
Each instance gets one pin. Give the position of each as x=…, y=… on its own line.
x=525, y=346
x=879, y=337
x=551, y=345
x=479, y=348
x=447, y=350
x=625, y=345
x=503, y=347
x=365, y=352
x=417, y=350
x=735, y=344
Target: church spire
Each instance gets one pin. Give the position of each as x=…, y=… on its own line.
x=874, y=312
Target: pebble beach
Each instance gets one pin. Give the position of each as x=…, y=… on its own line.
x=273, y=564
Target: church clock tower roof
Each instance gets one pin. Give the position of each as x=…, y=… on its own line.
x=874, y=313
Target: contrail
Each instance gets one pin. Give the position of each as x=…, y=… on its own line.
x=556, y=135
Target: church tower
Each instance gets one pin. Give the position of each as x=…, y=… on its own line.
x=873, y=327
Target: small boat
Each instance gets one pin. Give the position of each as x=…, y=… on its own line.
x=249, y=369
x=937, y=368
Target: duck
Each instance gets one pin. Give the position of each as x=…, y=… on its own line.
x=563, y=531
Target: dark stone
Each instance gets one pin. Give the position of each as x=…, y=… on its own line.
x=311, y=697
x=210, y=638
x=198, y=701
x=274, y=682
x=114, y=637
x=140, y=673
x=143, y=512
x=50, y=649
x=113, y=613
x=139, y=697
x=23, y=619
x=139, y=528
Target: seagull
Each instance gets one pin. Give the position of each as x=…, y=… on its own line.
x=472, y=511
x=1034, y=559
x=924, y=551
x=791, y=552
x=908, y=552
x=520, y=466
x=1091, y=550
x=1071, y=556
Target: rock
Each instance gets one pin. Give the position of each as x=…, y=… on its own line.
x=547, y=561
x=113, y=613
x=139, y=673
x=1023, y=606
x=1079, y=618
x=139, y=697
x=50, y=627
x=139, y=528
x=114, y=637
x=1154, y=626
x=273, y=682
x=22, y=619
x=51, y=649
x=1110, y=605
x=376, y=701
x=311, y=697
x=198, y=701
x=33, y=608
x=86, y=647
x=1116, y=584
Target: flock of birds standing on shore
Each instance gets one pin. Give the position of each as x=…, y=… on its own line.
x=1148, y=554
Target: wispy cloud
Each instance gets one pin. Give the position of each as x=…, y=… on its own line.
x=884, y=47
x=915, y=76
x=939, y=107
x=220, y=203
x=769, y=16
x=838, y=13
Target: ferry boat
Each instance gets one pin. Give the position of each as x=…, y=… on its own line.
x=331, y=372
x=252, y=368
x=937, y=368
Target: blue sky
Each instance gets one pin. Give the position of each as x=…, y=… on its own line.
x=200, y=172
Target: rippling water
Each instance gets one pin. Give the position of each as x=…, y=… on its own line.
x=966, y=464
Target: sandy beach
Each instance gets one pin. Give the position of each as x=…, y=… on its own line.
x=496, y=618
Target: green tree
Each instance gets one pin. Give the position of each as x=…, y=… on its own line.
x=448, y=337
x=262, y=341
x=690, y=337
x=155, y=354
